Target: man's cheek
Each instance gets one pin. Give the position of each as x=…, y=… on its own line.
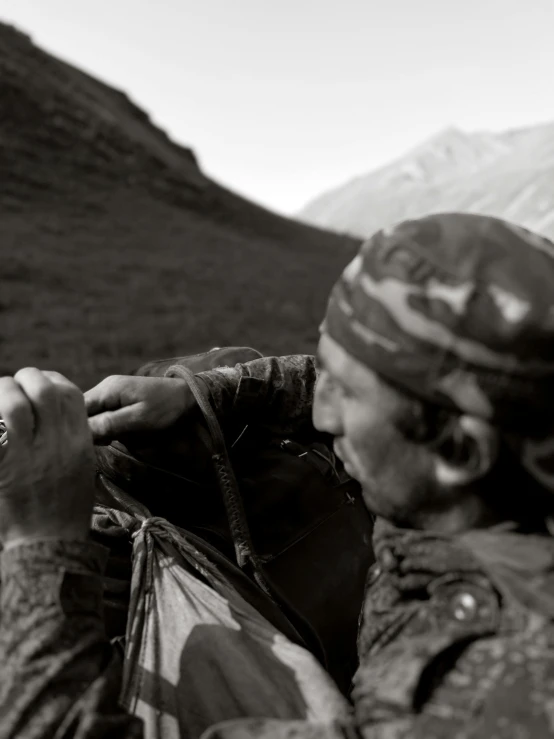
x=378, y=459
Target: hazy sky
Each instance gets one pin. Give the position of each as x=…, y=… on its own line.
x=283, y=99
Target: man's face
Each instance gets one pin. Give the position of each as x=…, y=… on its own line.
x=353, y=405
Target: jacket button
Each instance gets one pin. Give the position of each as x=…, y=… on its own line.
x=374, y=574
x=464, y=606
x=388, y=560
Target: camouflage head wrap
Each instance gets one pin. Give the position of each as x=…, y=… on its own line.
x=458, y=309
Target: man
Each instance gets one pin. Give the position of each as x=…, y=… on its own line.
x=436, y=381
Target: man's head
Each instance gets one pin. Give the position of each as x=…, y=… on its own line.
x=437, y=377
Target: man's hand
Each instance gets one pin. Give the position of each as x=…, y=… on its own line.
x=121, y=405
x=47, y=467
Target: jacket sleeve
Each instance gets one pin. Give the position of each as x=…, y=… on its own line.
x=60, y=677
x=274, y=392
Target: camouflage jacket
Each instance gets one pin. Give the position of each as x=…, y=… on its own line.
x=456, y=642
x=456, y=636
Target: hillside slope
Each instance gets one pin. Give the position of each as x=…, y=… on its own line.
x=510, y=175
x=116, y=249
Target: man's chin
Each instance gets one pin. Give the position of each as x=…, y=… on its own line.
x=350, y=470
x=371, y=501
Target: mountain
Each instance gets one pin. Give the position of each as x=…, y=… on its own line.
x=115, y=248
x=510, y=175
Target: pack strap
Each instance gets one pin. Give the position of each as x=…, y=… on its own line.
x=244, y=550
x=236, y=515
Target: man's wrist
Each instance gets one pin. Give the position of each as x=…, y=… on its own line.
x=53, y=555
x=21, y=537
x=42, y=577
x=23, y=540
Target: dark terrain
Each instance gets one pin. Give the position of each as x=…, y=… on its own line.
x=116, y=249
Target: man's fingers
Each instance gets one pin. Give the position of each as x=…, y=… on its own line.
x=41, y=392
x=106, y=396
x=111, y=425
x=16, y=411
x=61, y=380
x=72, y=396
x=73, y=417
x=107, y=418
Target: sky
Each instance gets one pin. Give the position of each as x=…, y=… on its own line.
x=282, y=100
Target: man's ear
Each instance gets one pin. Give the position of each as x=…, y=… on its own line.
x=468, y=454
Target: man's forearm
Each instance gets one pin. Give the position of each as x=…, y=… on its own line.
x=59, y=673
x=276, y=392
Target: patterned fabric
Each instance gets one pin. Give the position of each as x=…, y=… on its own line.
x=196, y=652
x=459, y=310
x=274, y=392
x=59, y=675
x=457, y=637
x=456, y=642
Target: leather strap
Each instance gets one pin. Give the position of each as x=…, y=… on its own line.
x=244, y=551
x=236, y=515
